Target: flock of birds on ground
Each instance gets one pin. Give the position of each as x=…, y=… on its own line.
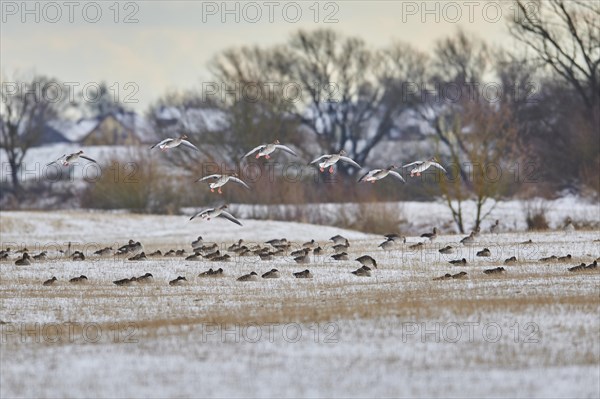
x=272, y=249
x=217, y=181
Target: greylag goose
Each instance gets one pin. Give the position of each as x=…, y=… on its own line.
x=178, y=281
x=495, y=227
x=265, y=150
x=146, y=278
x=511, y=260
x=50, y=281
x=273, y=273
x=447, y=250
x=484, y=252
x=252, y=276
x=378, y=174
x=328, y=160
x=462, y=261
x=216, y=212
x=69, y=159
x=431, y=235
x=172, y=143
x=366, y=260
x=78, y=280
x=220, y=180
x=422, y=166
x=364, y=271
x=340, y=256
x=338, y=239
x=303, y=274
x=496, y=270
x=25, y=260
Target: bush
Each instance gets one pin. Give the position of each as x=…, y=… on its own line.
x=138, y=186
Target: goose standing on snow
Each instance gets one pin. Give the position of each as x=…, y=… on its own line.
x=216, y=212
x=422, y=166
x=378, y=174
x=69, y=159
x=265, y=150
x=327, y=161
x=495, y=227
x=172, y=143
x=220, y=180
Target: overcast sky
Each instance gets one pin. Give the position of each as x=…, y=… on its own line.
x=160, y=45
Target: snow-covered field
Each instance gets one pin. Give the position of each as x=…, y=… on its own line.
x=530, y=332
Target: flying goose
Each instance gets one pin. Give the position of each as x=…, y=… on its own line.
x=328, y=160
x=216, y=212
x=220, y=180
x=172, y=143
x=422, y=166
x=378, y=174
x=69, y=159
x=265, y=150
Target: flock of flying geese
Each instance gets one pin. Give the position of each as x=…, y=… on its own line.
x=270, y=250
x=217, y=181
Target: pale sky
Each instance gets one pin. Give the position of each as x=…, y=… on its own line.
x=167, y=44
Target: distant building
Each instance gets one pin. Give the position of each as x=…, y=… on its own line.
x=115, y=128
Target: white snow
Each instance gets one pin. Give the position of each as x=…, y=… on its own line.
x=531, y=332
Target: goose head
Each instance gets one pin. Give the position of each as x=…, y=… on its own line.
x=184, y=137
x=343, y=152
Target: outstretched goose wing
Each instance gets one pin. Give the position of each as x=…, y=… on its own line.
x=350, y=161
x=239, y=181
x=208, y=177
x=165, y=141
x=397, y=175
x=190, y=145
x=286, y=149
x=87, y=158
x=259, y=148
x=229, y=217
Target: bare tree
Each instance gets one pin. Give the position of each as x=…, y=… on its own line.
x=26, y=107
x=348, y=96
x=472, y=129
x=565, y=35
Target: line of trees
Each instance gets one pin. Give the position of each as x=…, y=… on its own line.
x=543, y=107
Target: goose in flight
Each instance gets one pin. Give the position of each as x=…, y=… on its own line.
x=422, y=166
x=216, y=212
x=172, y=143
x=265, y=150
x=68, y=159
x=378, y=174
x=328, y=160
x=220, y=180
